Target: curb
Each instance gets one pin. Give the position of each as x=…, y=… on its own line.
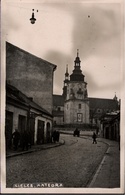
x=94, y=177
x=35, y=150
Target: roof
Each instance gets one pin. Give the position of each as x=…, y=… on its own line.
x=94, y=103
x=58, y=100
x=13, y=48
x=16, y=95
x=102, y=103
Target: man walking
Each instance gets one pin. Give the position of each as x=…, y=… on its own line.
x=94, y=138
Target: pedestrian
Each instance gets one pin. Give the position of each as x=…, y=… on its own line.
x=54, y=136
x=57, y=136
x=16, y=139
x=76, y=133
x=94, y=138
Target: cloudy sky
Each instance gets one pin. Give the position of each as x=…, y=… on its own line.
x=62, y=27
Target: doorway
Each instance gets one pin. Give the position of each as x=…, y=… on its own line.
x=48, y=135
x=8, y=129
x=32, y=130
x=40, y=132
x=21, y=127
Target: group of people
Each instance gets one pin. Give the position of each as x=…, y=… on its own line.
x=94, y=136
x=22, y=140
x=55, y=136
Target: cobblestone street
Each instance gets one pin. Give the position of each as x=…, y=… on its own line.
x=73, y=164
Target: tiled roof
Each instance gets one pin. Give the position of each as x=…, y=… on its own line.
x=13, y=93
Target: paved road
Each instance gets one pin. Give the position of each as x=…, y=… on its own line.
x=72, y=164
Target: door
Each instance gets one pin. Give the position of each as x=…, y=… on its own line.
x=32, y=129
x=22, y=123
x=8, y=129
x=21, y=127
x=48, y=135
x=112, y=132
x=107, y=133
x=40, y=132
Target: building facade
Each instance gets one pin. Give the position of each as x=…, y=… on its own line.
x=29, y=95
x=24, y=114
x=31, y=75
x=110, y=126
x=76, y=104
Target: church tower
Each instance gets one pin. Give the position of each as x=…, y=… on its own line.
x=76, y=106
x=65, y=83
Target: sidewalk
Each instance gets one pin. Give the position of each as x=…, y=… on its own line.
x=34, y=148
x=108, y=172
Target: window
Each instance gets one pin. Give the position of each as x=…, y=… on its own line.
x=99, y=110
x=79, y=117
x=79, y=106
x=58, y=108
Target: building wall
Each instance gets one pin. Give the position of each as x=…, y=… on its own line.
x=31, y=75
x=75, y=115
x=45, y=120
x=58, y=120
x=16, y=112
x=74, y=87
x=58, y=108
x=111, y=131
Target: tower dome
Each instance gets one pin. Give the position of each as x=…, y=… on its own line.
x=77, y=72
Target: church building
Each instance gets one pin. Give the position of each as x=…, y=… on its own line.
x=74, y=108
x=76, y=104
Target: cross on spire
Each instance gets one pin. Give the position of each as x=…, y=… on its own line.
x=66, y=68
x=77, y=52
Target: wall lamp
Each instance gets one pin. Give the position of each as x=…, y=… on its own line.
x=33, y=19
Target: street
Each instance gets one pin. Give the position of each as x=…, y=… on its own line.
x=72, y=164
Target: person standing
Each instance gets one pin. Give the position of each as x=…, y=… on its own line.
x=16, y=139
x=57, y=136
x=94, y=138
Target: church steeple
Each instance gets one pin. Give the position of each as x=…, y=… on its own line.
x=66, y=82
x=115, y=97
x=77, y=60
x=66, y=74
x=77, y=72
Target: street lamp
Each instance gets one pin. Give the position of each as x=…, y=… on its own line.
x=33, y=19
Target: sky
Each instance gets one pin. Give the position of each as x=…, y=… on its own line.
x=62, y=27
